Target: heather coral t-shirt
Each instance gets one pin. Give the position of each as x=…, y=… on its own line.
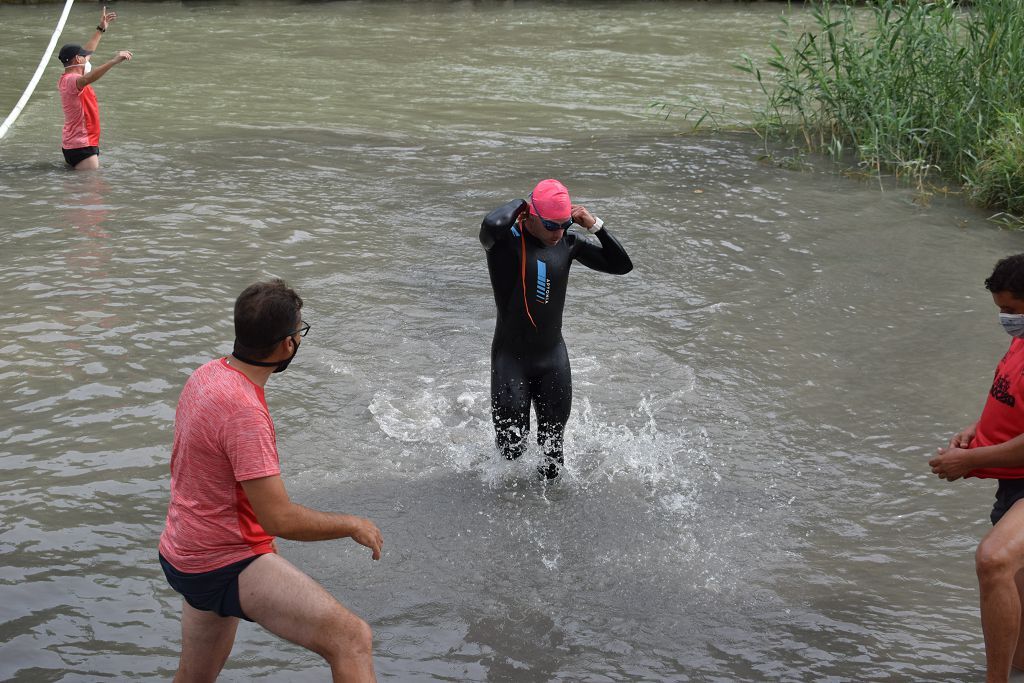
x=81, y=113
x=223, y=435
x=1003, y=416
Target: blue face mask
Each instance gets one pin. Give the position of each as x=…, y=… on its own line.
x=1013, y=323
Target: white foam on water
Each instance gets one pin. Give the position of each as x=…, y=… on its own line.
x=660, y=484
x=410, y=421
x=446, y=426
x=453, y=423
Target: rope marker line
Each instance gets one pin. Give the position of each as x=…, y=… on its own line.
x=9, y=121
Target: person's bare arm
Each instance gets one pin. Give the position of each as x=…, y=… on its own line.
x=279, y=516
x=101, y=28
x=953, y=462
x=96, y=73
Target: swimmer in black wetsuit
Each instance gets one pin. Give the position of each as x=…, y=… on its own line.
x=528, y=255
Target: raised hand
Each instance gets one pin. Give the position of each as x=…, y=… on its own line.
x=106, y=17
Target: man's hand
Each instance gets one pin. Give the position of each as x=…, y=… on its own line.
x=123, y=56
x=582, y=217
x=368, y=534
x=951, y=463
x=964, y=437
x=106, y=17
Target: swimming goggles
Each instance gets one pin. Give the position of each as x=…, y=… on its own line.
x=550, y=225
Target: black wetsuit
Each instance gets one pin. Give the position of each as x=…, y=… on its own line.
x=529, y=361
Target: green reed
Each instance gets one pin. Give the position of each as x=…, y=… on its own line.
x=919, y=88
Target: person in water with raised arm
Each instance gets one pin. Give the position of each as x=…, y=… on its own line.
x=80, y=140
x=529, y=252
x=993, y=448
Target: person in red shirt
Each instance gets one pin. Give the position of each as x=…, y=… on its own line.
x=228, y=502
x=80, y=140
x=993, y=448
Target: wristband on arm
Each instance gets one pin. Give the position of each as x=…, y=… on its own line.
x=598, y=224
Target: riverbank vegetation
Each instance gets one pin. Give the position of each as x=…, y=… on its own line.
x=922, y=89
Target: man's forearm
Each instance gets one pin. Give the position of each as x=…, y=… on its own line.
x=615, y=255
x=1007, y=454
x=300, y=523
x=99, y=71
x=94, y=41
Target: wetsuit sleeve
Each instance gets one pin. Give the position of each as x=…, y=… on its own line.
x=608, y=257
x=497, y=225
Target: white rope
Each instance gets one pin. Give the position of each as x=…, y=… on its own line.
x=9, y=121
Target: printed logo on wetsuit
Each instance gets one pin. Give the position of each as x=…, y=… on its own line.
x=1001, y=391
x=543, y=284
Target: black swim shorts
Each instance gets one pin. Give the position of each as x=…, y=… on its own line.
x=1008, y=493
x=215, y=591
x=79, y=154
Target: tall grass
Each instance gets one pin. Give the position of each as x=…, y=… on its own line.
x=919, y=88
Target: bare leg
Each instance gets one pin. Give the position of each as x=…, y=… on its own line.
x=289, y=604
x=206, y=641
x=89, y=163
x=999, y=559
x=1018, y=655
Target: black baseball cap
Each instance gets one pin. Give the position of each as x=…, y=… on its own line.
x=70, y=51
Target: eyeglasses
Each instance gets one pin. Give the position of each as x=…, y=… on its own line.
x=301, y=331
x=550, y=225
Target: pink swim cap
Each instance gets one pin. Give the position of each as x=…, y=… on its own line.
x=551, y=199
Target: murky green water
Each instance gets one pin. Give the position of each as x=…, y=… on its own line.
x=746, y=496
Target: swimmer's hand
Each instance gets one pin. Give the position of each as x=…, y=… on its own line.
x=582, y=217
x=951, y=463
x=585, y=219
x=122, y=56
x=366, y=533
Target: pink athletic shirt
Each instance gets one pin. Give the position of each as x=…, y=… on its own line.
x=223, y=435
x=81, y=113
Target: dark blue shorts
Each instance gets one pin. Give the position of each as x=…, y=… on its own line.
x=79, y=154
x=1008, y=493
x=215, y=591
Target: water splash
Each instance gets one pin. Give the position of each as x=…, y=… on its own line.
x=451, y=422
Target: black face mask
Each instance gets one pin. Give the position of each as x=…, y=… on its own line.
x=281, y=365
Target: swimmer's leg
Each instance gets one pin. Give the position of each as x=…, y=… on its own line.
x=510, y=404
x=552, y=399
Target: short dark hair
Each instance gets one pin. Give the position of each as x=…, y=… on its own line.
x=1008, y=276
x=265, y=313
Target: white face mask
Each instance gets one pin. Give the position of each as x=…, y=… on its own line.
x=1013, y=323
x=87, y=65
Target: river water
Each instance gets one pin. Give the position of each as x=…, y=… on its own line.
x=746, y=495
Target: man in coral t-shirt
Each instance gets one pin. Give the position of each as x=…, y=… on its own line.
x=81, y=137
x=228, y=501
x=993, y=448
